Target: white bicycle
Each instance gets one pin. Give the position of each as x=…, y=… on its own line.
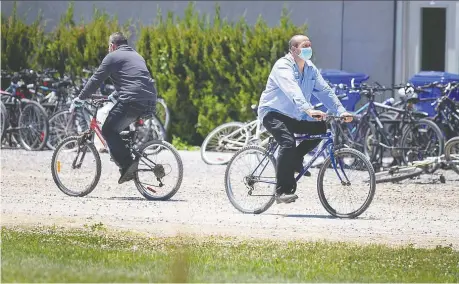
x=225, y=140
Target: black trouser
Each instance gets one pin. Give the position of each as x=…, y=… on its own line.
x=291, y=156
x=119, y=118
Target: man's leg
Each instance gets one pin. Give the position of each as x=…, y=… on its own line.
x=306, y=146
x=120, y=117
x=277, y=125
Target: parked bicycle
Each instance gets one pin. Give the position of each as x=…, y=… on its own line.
x=24, y=122
x=449, y=160
x=412, y=136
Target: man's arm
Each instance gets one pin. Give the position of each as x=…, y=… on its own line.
x=102, y=73
x=325, y=94
x=283, y=75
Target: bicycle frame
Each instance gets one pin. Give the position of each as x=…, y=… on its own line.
x=326, y=143
x=93, y=126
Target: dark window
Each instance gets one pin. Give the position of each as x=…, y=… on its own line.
x=433, y=39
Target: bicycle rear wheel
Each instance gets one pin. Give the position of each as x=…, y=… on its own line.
x=353, y=171
x=76, y=168
x=160, y=171
x=452, y=153
x=251, y=175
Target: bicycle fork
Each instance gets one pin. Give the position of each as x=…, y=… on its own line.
x=333, y=161
x=81, y=143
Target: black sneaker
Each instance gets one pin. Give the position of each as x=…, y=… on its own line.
x=127, y=174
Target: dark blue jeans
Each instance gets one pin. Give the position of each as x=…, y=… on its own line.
x=119, y=118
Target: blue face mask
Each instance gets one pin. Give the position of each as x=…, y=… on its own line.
x=306, y=53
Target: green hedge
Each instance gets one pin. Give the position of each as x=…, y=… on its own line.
x=208, y=70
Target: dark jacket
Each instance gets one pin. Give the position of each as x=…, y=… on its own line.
x=129, y=73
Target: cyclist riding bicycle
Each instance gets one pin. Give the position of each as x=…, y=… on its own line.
x=285, y=109
x=135, y=94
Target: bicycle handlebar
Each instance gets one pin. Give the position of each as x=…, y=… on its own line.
x=335, y=117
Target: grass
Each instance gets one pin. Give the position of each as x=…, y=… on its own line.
x=95, y=254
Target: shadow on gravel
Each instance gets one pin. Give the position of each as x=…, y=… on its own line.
x=316, y=216
x=302, y=216
x=137, y=198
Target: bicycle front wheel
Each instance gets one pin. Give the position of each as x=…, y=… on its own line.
x=75, y=167
x=250, y=180
x=352, y=176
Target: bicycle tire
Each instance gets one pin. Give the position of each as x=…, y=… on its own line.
x=4, y=120
x=228, y=190
x=56, y=179
x=215, y=132
x=160, y=129
x=50, y=143
x=374, y=135
x=166, y=121
x=320, y=185
x=448, y=155
x=45, y=131
x=434, y=127
x=176, y=155
x=406, y=173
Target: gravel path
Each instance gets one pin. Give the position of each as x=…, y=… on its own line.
x=424, y=213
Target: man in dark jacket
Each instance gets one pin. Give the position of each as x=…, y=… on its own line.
x=135, y=94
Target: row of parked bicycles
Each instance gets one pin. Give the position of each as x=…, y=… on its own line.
x=399, y=141
x=35, y=115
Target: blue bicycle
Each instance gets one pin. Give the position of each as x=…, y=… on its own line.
x=250, y=177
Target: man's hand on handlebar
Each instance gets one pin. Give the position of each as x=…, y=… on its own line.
x=320, y=115
x=347, y=117
x=76, y=102
x=316, y=114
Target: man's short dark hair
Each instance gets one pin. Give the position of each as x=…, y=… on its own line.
x=118, y=38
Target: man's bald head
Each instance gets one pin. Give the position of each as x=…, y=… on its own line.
x=296, y=40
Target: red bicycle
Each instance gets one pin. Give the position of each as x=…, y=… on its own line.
x=76, y=165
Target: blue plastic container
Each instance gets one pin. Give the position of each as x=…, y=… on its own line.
x=340, y=76
x=426, y=77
